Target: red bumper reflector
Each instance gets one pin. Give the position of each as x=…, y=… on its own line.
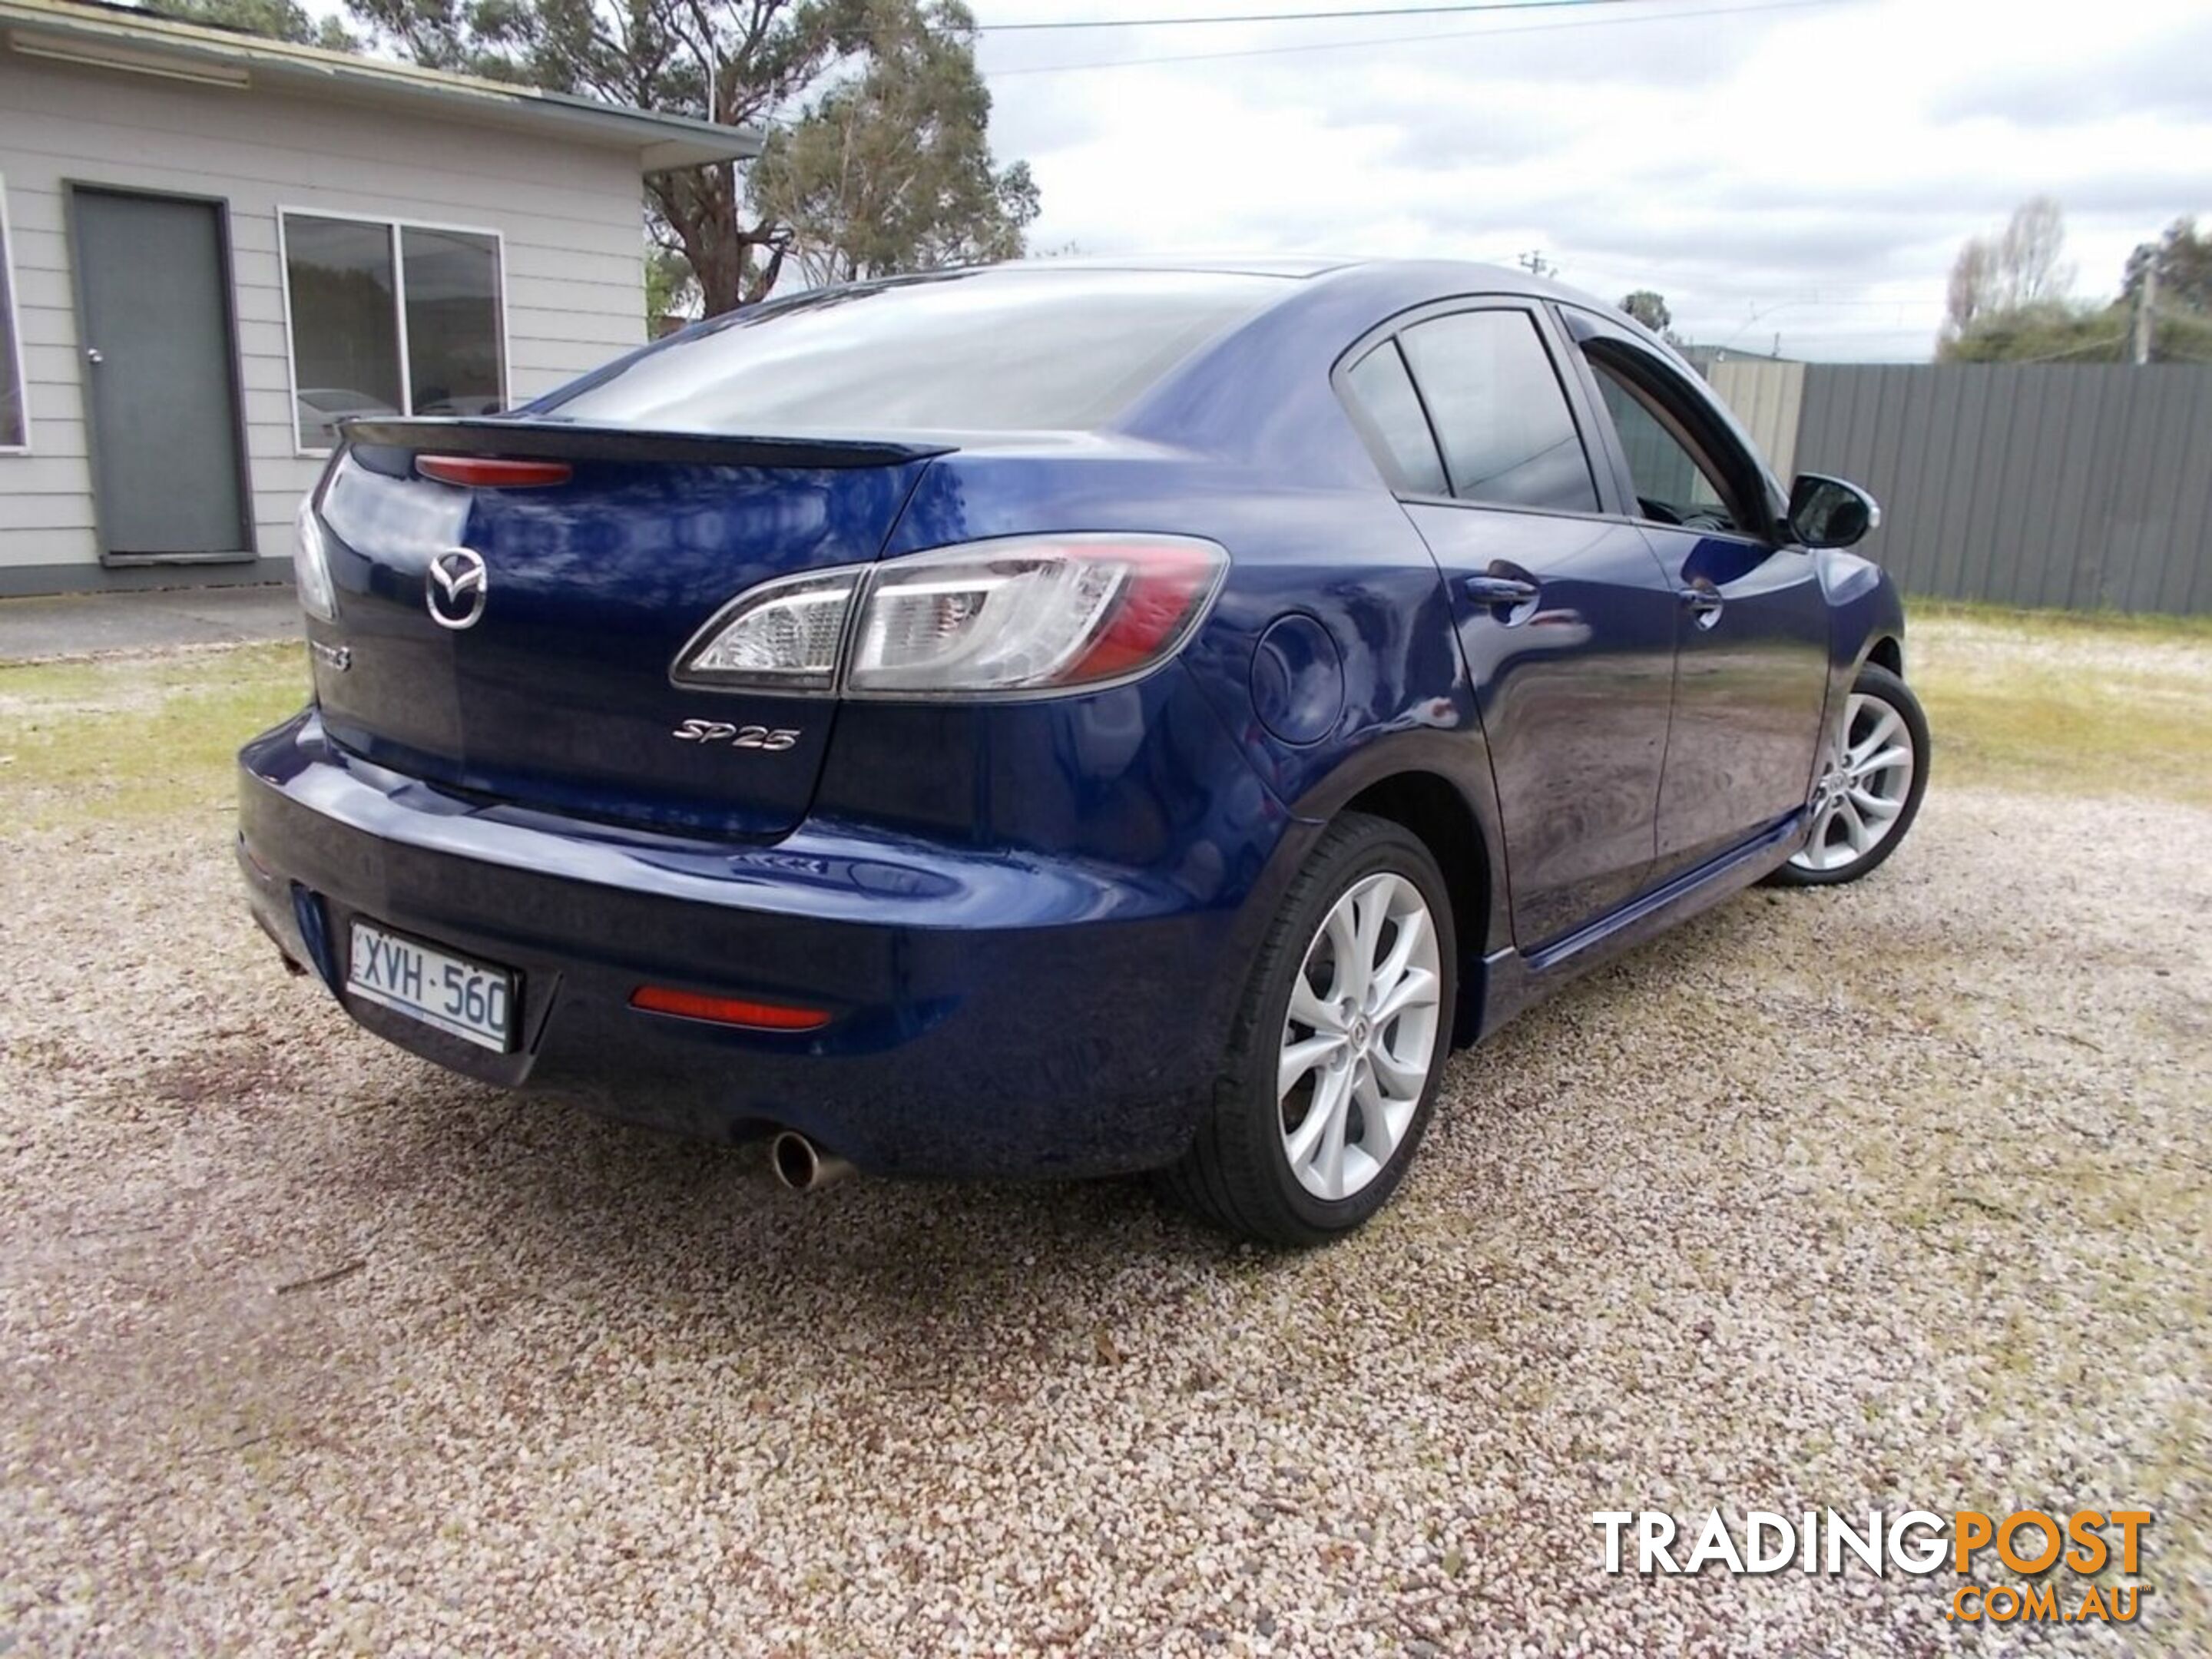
x=491, y=472
x=727, y=1011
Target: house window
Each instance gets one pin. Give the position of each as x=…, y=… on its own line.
x=389, y=317
x=15, y=414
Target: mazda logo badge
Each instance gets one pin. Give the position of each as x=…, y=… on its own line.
x=453, y=588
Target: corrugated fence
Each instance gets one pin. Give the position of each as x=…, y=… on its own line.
x=1769, y=398
x=2027, y=483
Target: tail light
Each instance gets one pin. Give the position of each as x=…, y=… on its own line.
x=311, y=565
x=1024, y=616
x=492, y=472
x=728, y=1010
x=783, y=636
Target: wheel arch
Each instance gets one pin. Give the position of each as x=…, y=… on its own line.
x=1432, y=807
x=1887, y=651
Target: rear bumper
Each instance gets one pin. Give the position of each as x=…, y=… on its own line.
x=995, y=1010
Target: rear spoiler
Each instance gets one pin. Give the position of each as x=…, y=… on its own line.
x=566, y=441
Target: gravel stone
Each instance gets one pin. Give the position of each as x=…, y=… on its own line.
x=1887, y=1196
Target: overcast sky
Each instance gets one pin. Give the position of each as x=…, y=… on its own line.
x=1806, y=169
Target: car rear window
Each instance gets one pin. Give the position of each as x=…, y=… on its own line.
x=1033, y=351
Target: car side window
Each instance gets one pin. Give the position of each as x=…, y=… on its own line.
x=1676, y=480
x=1395, y=427
x=1499, y=412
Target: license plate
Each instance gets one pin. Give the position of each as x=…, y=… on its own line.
x=464, y=999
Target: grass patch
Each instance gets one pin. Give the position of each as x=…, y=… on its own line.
x=2019, y=733
x=136, y=738
x=2143, y=624
x=2031, y=700
x=2076, y=705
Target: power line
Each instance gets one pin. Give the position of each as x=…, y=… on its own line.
x=1814, y=331
x=1297, y=16
x=1415, y=40
x=1928, y=299
x=1760, y=312
x=2113, y=345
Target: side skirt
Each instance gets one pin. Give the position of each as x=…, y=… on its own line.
x=1513, y=983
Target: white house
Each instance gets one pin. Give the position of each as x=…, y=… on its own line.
x=213, y=246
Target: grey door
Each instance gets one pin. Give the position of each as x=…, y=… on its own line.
x=153, y=284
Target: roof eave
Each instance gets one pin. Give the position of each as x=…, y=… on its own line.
x=661, y=143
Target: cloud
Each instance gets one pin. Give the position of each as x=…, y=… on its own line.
x=1815, y=165
x=2168, y=74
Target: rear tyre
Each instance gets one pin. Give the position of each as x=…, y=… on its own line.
x=1336, y=1052
x=1874, y=772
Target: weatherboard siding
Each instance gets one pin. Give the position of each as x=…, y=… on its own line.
x=567, y=212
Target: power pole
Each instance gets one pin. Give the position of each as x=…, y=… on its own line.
x=2146, y=314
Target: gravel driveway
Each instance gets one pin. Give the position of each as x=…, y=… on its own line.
x=1890, y=1197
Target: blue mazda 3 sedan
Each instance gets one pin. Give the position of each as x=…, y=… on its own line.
x=1065, y=720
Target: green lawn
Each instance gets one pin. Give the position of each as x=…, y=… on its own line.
x=136, y=738
x=2138, y=624
x=2067, y=703
x=2038, y=701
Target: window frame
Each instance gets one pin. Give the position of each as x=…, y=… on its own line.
x=1686, y=411
x=394, y=227
x=1566, y=369
x=14, y=320
x=1370, y=431
x=1709, y=467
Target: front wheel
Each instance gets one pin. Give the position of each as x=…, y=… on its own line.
x=1874, y=773
x=1333, y=1063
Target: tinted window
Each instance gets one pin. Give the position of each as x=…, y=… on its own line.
x=1674, y=483
x=1381, y=391
x=453, y=320
x=345, y=322
x=999, y=351
x=1499, y=413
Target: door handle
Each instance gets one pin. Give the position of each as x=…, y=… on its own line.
x=1704, y=604
x=91, y=355
x=1499, y=590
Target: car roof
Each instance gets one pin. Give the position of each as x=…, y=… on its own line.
x=1394, y=283
x=1293, y=266
x=1401, y=278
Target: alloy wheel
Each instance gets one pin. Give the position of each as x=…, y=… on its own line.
x=1867, y=783
x=1361, y=1035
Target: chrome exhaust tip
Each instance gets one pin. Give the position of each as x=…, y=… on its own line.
x=801, y=1165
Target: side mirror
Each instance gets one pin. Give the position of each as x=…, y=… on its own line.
x=1827, y=512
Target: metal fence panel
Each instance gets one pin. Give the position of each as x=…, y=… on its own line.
x=1768, y=398
x=2027, y=483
